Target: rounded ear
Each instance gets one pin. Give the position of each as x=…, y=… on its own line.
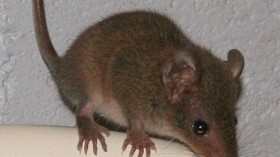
x=180, y=74
x=235, y=62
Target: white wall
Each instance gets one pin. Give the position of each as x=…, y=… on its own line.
x=28, y=94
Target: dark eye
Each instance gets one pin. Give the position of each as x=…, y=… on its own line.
x=200, y=127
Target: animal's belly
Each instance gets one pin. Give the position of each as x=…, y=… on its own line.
x=109, y=109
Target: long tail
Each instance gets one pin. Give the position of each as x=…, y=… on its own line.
x=42, y=35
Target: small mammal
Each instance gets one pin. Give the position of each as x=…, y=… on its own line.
x=139, y=70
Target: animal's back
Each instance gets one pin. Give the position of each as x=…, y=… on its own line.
x=131, y=30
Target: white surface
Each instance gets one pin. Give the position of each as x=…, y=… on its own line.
x=45, y=141
x=28, y=95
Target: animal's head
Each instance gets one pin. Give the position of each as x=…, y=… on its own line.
x=204, y=90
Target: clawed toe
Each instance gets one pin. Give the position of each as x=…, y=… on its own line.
x=141, y=143
x=92, y=134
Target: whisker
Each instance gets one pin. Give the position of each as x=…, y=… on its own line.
x=248, y=141
x=244, y=144
x=250, y=150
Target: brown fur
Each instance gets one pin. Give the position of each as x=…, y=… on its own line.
x=124, y=67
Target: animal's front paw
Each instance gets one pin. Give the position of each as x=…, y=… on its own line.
x=138, y=141
x=92, y=133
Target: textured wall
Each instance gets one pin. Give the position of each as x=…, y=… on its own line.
x=28, y=94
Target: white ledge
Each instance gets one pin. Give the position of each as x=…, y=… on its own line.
x=52, y=141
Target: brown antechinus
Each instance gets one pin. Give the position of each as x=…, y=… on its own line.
x=139, y=70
